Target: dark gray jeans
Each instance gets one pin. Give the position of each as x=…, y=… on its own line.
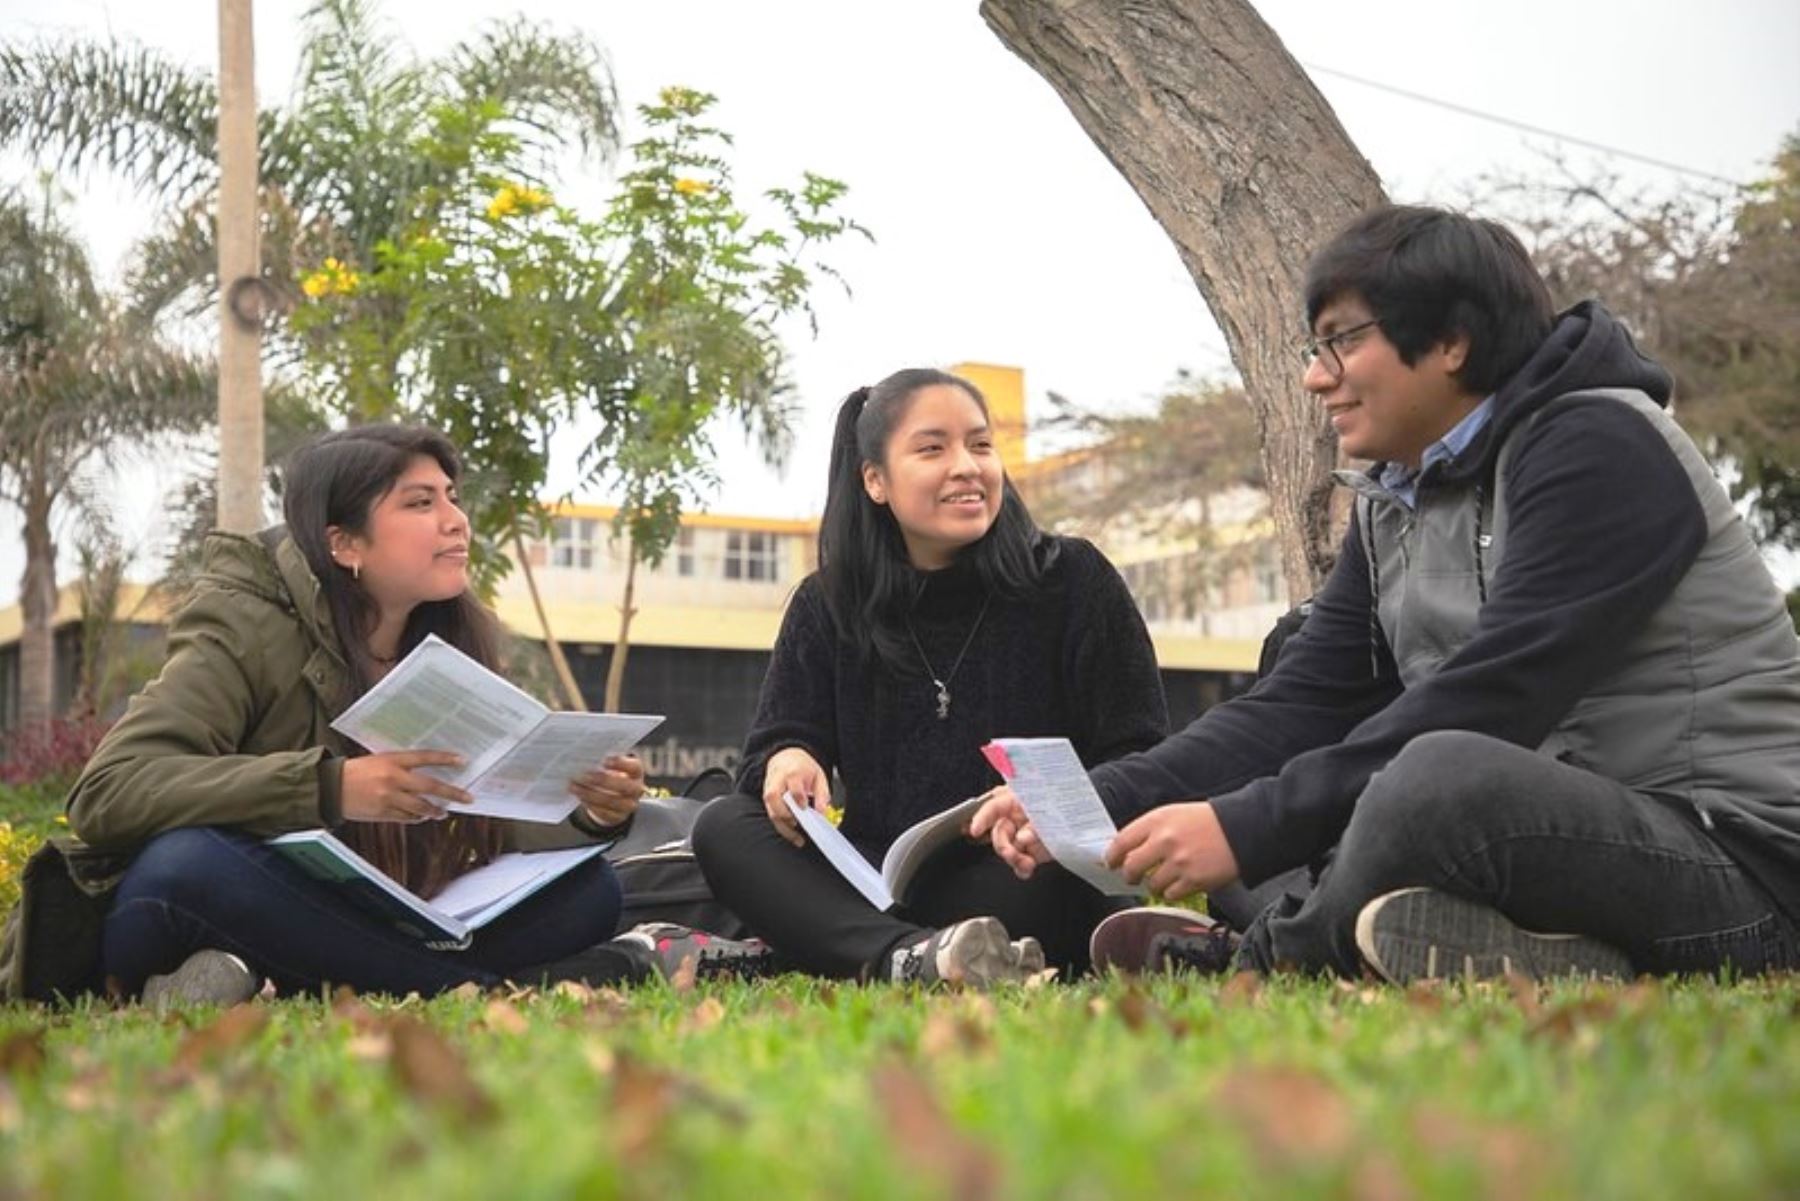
x=1553, y=847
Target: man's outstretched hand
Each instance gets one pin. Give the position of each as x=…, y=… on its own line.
x=1174, y=851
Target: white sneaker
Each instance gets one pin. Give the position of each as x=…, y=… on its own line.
x=977, y=952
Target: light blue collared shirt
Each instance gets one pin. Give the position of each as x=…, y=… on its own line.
x=1403, y=482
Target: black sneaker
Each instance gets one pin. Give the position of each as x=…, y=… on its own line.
x=977, y=952
x=1423, y=934
x=1154, y=938
x=206, y=977
x=669, y=946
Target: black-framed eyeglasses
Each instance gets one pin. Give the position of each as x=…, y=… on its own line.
x=1325, y=349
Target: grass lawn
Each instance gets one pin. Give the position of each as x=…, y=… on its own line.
x=791, y=1088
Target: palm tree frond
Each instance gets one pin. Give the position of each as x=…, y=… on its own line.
x=174, y=270
x=554, y=86
x=123, y=107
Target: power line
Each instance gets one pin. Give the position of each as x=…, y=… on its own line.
x=1466, y=111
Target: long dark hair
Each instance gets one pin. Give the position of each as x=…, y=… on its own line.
x=869, y=582
x=336, y=480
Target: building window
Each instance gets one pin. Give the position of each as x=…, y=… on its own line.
x=572, y=542
x=686, y=561
x=752, y=555
x=1269, y=581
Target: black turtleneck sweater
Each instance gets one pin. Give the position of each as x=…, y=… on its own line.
x=1071, y=659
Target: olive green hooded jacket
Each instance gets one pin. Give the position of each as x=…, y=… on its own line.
x=235, y=732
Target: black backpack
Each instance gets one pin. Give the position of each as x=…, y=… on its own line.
x=656, y=866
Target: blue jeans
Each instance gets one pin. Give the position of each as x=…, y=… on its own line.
x=1552, y=847
x=206, y=887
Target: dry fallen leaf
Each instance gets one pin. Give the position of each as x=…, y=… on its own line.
x=1244, y=988
x=925, y=1137
x=704, y=1016
x=1135, y=1010
x=229, y=1031
x=1379, y=1177
x=12, y=1114
x=1512, y=1160
x=503, y=1017
x=600, y=1056
x=684, y=976
x=951, y=1033
x=349, y=1008
x=1425, y=995
x=1288, y=1114
x=1524, y=993
x=642, y=1097
x=1577, y=1017
x=22, y=1054
x=433, y=1071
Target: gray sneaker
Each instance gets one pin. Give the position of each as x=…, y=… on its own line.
x=977, y=952
x=1423, y=934
x=206, y=977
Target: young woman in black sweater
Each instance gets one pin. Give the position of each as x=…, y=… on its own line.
x=940, y=617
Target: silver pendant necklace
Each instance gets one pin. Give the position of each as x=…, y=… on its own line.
x=943, y=685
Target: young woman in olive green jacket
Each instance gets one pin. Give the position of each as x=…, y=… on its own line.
x=232, y=744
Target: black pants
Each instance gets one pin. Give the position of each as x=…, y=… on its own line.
x=1551, y=846
x=798, y=903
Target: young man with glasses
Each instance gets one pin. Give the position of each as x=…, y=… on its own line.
x=1544, y=717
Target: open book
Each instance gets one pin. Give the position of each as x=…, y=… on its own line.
x=1065, y=811
x=916, y=843
x=519, y=755
x=448, y=921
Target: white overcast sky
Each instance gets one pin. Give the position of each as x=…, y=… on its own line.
x=1003, y=234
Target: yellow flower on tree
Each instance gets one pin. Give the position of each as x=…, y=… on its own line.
x=505, y=201
x=333, y=278
x=692, y=187
x=517, y=198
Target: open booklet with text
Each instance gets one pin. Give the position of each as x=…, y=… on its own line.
x=916, y=843
x=447, y=921
x=1066, y=813
x=518, y=755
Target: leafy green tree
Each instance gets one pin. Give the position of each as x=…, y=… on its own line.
x=79, y=378
x=1709, y=282
x=1157, y=474
x=341, y=163
x=507, y=320
x=341, y=166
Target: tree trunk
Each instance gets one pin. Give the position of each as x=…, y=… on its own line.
x=37, y=607
x=615, y=670
x=1245, y=166
x=571, y=690
x=240, y=279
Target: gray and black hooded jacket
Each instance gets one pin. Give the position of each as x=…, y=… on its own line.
x=1575, y=581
